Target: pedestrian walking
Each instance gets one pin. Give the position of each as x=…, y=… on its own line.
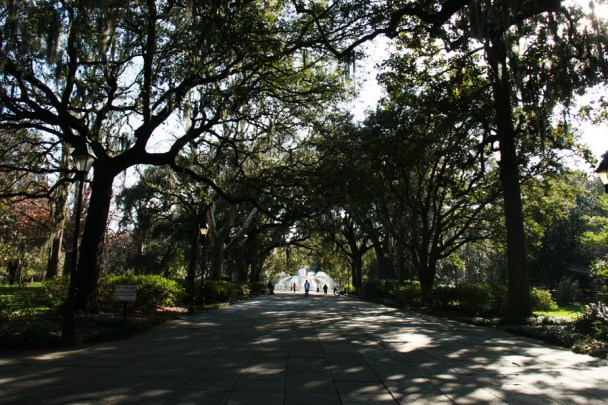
x=325, y=289
x=306, y=288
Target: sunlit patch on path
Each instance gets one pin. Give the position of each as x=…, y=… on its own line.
x=288, y=349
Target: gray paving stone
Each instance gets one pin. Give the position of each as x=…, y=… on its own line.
x=287, y=350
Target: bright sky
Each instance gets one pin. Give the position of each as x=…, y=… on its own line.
x=594, y=136
x=597, y=139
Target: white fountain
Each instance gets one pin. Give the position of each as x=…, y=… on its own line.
x=316, y=280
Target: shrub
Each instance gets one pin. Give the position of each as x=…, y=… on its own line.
x=351, y=289
x=567, y=291
x=153, y=292
x=542, y=300
x=374, y=288
x=407, y=295
x=599, y=279
x=593, y=321
x=54, y=292
x=258, y=287
x=474, y=299
x=498, y=299
x=224, y=291
x=481, y=299
x=444, y=298
x=467, y=298
x=592, y=347
x=26, y=331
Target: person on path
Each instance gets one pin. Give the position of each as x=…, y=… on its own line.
x=325, y=289
x=270, y=288
x=294, y=286
x=306, y=288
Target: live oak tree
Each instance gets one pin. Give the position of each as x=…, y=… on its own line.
x=138, y=82
x=414, y=176
x=261, y=188
x=34, y=211
x=424, y=145
x=557, y=208
x=345, y=180
x=557, y=43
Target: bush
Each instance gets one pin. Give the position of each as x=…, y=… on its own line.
x=374, y=289
x=224, y=291
x=567, y=291
x=593, y=322
x=54, y=292
x=542, y=300
x=474, y=299
x=481, y=299
x=592, y=347
x=444, y=298
x=153, y=292
x=258, y=287
x=407, y=295
x=27, y=331
x=467, y=298
x=599, y=279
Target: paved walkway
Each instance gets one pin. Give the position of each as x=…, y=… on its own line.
x=287, y=349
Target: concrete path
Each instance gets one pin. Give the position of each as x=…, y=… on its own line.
x=287, y=349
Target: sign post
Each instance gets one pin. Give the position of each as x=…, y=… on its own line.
x=125, y=294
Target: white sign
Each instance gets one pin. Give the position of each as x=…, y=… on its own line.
x=125, y=293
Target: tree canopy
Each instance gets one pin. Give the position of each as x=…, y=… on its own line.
x=233, y=114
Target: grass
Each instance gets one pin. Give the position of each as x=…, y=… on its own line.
x=42, y=331
x=27, y=323
x=22, y=299
x=570, y=311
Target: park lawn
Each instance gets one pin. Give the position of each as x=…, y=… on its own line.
x=27, y=323
x=21, y=299
x=569, y=311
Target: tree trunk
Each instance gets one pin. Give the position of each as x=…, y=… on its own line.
x=192, y=268
x=242, y=265
x=357, y=265
x=356, y=254
x=216, y=252
x=403, y=272
x=381, y=259
x=426, y=276
x=218, y=238
x=52, y=267
x=20, y=270
x=13, y=266
x=250, y=255
x=58, y=224
x=517, y=265
x=426, y=265
x=89, y=263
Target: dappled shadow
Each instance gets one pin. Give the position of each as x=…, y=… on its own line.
x=287, y=348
